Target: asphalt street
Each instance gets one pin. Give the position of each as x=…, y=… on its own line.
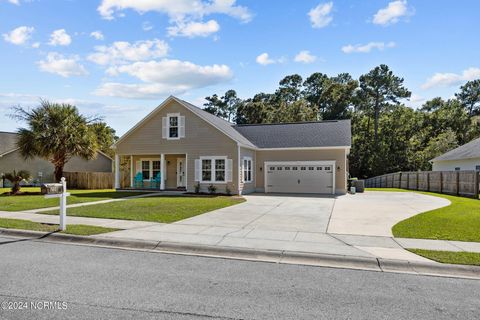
x=66, y=281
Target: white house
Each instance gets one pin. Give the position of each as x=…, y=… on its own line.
x=466, y=157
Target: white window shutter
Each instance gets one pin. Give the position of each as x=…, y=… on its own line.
x=197, y=169
x=228, y=169
x=138, y=168
x=181, y=127
x=164, y=127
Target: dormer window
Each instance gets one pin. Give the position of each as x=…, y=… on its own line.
x=173, y=126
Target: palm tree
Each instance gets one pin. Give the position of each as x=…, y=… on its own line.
x=56, y=132
x=15, y=178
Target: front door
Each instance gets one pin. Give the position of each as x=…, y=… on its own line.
x=180, y=172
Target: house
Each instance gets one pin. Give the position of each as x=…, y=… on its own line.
x=187, y=146
x=466, y=157
x=41, y=169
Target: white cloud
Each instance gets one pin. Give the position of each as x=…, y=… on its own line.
x=36, y=45
x=320, y=15
x=163, y=77
x=305, y=57
x=98, y=35
x=176, y=9
x=392, y=13
x=365, y=48
x=124, y=52
x=147, y=26
x=264, y=59
x=19, y=35
x=60, y=37
x=63, y=66
x=14, y=2
x=194, y=29
x=450, y=79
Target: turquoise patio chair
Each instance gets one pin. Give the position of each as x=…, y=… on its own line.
x=155, y=182
x=138, y=180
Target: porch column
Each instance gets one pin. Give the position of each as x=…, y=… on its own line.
x=117, y=171
x=162, y=170
x=132, y=168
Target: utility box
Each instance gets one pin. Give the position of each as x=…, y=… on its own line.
x=51, y=188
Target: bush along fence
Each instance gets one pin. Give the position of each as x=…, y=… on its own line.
x=89, y=180
x=460, y=183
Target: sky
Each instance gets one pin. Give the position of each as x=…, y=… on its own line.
x=119, y=59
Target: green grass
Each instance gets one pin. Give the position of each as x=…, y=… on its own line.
x=387, y=189
x=165, y=209
x=77, y=229
x=29, y=202
x=459, y=221
x=470, y=258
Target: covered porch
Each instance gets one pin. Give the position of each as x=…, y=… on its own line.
x=151, y=172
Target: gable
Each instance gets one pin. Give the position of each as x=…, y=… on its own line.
x=146, y=136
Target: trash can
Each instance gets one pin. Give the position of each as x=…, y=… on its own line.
x=359, y=185
x=353, y=190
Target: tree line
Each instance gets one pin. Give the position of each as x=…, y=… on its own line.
x=387, y=135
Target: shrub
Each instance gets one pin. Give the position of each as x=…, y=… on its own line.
x=212, y=188
x=197, y=187
x=228, y=191
x=15, y=178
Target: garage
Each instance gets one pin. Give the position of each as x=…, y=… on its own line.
x=300, y=177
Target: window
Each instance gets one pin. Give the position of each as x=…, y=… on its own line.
x=294, y=168
x=287, y=168
x=457, y=169
x=319, y=168
x=477, y=168
x=150, y=169
x=220, y=170
x=272, y=168
x=155, y=168
x=146, y=170
x=311, y=168
x=213, y=169
x=247, y=169
x=207, y=170
x=279, y=168
x=328, y=168
x=303, y=168
x=173, y=126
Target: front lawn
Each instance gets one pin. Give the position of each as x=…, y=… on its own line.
x=459, y=221
x=29, y=202
x=165, y=209
x=77, y=229
x=470, y=258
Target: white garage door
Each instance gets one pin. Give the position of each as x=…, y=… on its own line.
x=300, y=177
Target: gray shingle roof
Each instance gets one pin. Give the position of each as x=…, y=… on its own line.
x=467, y=151
x=8, y=142
x=334, y=133
x=220, y=123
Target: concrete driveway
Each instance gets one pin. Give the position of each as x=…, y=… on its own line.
x=354, y=225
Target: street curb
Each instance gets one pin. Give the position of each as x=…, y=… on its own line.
x=274, y=256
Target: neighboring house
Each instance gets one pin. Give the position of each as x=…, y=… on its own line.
x=41, y=169
x=466, y=157
x=188, y=146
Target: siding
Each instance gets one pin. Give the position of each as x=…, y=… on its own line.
x=450, y=165
x=201, y=139
x=14, y=161
x=337, y=155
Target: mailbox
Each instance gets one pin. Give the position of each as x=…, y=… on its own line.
x=51, y=188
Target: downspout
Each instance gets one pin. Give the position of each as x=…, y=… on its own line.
x=238, y=169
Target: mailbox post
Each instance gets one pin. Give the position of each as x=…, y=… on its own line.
x=58, y=190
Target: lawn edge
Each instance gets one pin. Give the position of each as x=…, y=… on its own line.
x=271, y=256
